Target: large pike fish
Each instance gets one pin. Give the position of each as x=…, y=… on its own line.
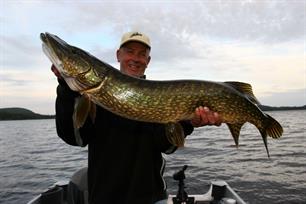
x=164, y=102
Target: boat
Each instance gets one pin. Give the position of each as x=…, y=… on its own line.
x=219, y=192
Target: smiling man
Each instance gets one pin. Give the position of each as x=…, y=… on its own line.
x=134, y=54
x=125, y=162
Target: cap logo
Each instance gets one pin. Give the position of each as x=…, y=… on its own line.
x=135, y=34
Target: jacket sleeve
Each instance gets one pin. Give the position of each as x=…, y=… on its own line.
x=187, y=127
x=64, y=107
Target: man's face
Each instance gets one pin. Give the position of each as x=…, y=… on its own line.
x=134, y=58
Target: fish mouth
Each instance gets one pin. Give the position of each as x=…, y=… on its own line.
x=49, y=51
x=43, y=37
x=54, y=48
x=52, y=39
x=60, y=54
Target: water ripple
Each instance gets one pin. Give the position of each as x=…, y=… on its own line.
x=33, y=158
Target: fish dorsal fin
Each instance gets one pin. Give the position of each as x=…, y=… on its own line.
x=235, y=130
x=245, y=89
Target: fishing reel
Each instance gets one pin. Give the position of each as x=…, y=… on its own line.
x=182, y=196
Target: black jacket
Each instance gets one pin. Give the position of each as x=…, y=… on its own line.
x=125, y=163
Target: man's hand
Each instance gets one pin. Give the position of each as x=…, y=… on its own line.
x=204, y=116
x=55, y=71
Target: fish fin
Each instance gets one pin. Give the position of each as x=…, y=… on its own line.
x=175, y=134
x=264, y=138
x=273, y=128
x=245, y=89
x=82, y=108
x=235, y=130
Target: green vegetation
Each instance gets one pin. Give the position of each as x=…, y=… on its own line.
x=21, y=114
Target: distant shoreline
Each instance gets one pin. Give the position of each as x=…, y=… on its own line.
x=274, y=108
x=21, y=114
x=25, y=114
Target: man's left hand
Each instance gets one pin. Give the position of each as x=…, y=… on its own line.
x=204, y=116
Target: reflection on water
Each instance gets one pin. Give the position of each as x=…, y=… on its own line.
x=33, y=158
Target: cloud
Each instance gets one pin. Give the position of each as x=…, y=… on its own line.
x=290, y=98
x=260, y=42
x=255, y=20
x=19, y=52
x=260, y=20
x=11, y=81
x=173, y=26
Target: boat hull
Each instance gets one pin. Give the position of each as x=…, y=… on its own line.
x=59, y=192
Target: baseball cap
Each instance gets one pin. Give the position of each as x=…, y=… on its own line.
x=135, y=36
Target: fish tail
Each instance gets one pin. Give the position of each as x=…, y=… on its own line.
x=175, y=134
x=270, y=128
x=273, y=128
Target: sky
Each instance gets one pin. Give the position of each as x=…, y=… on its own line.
x=261, y=42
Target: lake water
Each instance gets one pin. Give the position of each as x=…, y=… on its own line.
x=32, y=158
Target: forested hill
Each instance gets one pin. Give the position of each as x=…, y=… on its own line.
x=21, y=114
x=272, y=108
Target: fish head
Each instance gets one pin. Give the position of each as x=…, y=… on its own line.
x=76, y=66
x=69, y=60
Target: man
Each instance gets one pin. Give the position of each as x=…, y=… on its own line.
x=125, y=163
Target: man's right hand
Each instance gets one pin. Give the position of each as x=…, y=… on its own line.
x=204, y=116
x=56, y=72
